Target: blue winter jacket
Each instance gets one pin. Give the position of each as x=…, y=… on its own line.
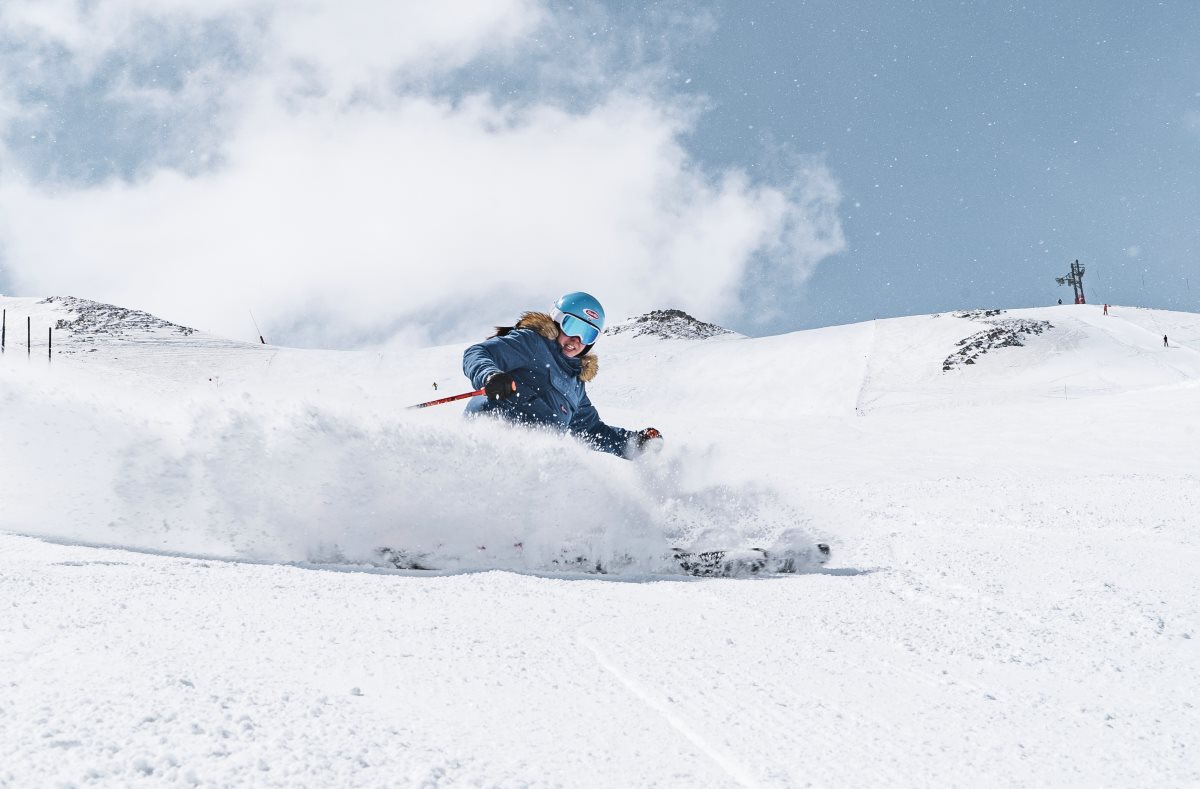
x=550, y=386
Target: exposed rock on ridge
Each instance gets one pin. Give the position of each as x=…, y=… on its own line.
x=668, y=325
x=1004, y=333
x=94, y=320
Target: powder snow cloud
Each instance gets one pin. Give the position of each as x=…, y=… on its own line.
x=370, y=172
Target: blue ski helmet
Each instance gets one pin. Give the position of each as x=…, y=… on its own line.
x=579, y=315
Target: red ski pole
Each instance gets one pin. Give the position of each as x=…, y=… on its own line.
x=452, y=398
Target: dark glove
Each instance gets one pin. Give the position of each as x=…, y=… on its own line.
x=500, y=386
x=644, y=437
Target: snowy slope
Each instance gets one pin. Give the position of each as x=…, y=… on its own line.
x=1011, y=602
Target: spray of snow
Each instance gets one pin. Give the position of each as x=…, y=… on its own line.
x=235, y=474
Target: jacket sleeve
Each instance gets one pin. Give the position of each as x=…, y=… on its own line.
x=587, y=425
x=497, y=355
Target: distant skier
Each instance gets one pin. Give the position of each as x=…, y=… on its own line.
x=435, y=386
x=536, y=373
x=1165, y=341
x=1105, y=309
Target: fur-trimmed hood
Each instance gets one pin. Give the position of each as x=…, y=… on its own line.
x=546, y=326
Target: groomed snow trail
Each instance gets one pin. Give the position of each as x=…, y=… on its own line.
x=1011, y=600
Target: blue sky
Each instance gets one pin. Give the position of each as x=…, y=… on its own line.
x=366, y=173
x=980, y=146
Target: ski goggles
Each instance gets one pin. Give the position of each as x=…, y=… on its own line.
x=574, y=326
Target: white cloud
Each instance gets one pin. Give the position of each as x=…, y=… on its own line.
x=356, y=41
x=344, y=222
x=353, y=39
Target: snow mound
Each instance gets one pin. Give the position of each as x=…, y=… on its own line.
x=89, y=321
x=669, y=325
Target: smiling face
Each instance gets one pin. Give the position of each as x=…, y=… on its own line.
x=570, y=346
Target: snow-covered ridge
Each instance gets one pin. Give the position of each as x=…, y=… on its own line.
x=668, y=325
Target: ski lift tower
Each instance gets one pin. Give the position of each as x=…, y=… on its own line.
x=1075, y=280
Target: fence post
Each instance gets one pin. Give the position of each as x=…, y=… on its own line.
x=50, y=343
x=28, y=335
x=3, y=330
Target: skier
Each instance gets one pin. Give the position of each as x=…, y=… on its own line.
x=536, y=373
x=1165, y=341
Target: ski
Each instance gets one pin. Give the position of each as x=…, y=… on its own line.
x=703, y=564
x=404, y=560
x=751, y=561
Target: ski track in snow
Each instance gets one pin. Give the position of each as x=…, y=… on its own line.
x=1011, y=600
x=664, y=706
